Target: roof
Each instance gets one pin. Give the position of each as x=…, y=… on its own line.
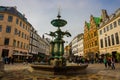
x=88, y=26
x=12, y=10
x=97, y=20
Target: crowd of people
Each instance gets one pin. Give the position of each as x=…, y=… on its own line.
x=109, y=62
x=8, y=60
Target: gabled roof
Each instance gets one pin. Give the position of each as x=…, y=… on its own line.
x=97, y=20
x=13, y=10
x=88, y=25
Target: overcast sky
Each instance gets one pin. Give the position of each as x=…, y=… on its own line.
x=40, y=12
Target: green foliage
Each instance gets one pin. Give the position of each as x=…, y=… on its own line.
x=118, y=56
x=108, y=55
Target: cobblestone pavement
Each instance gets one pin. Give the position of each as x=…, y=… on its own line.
x=93, y=72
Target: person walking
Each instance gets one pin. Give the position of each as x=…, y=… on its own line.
x=105, y=62
x=113, y=63
x=109, y=62
x=12, y=60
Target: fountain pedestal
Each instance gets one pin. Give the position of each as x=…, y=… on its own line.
x=59, y=70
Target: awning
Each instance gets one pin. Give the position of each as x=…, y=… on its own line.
x=18, y=54
x=77, y=54
x=29, y=55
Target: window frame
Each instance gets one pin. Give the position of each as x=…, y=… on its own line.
x=10, y=18
x=6, y=41
x=8, y=29
x=1, y=17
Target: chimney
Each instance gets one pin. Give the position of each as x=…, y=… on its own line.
x=104, y=14
x=24, y=15
x=15, y=7
x=43, y=36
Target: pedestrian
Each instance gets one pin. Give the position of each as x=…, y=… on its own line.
x=105, y=62
x=113, y=63
x=109, y=62
x=9, y=60
x=12, y=60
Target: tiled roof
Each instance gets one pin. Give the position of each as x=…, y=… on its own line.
x=88, y=26
x=12, y=10
x=97, y=20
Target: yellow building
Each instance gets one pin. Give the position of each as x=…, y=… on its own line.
x=14, y=33
x=91, y=46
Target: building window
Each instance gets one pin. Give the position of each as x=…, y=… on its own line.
x=100, y=32
x=104, y=29
x=1, y=16
x=0, y=28
x=21, y=44
x=117, y=38
x=24, y=46
x=109, y=41
x=15, y=31
x=115, y=24
x=118, y=21
x=107, y=28
x=112, y=38
x=95, y=43
x=105, y=41
x=18, y=43
x=26, y=27
x=10, y=18
x=101, y=42
x=111, y=26
x=17, y=21
x=19, y=33
x=20, y=24
x=14, y=43
x=8, y=29
x=23, y=26
x=22, y=34
x=6, y=41
x=25, y=36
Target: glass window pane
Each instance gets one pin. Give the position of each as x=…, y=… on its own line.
x=8, y=29
x=10, y=18
x=1, y=16
x=6, y=41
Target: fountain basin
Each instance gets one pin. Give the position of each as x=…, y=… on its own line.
x=57, y=70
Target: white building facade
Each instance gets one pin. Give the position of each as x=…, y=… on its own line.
x=109, y=33
x=77, y=45
x=80, y=45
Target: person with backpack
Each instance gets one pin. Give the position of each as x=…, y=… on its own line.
x=105, y=62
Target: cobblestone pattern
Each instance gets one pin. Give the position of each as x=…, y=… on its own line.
x=94, y=72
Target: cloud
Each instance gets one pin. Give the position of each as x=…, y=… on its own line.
x=40, y=12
